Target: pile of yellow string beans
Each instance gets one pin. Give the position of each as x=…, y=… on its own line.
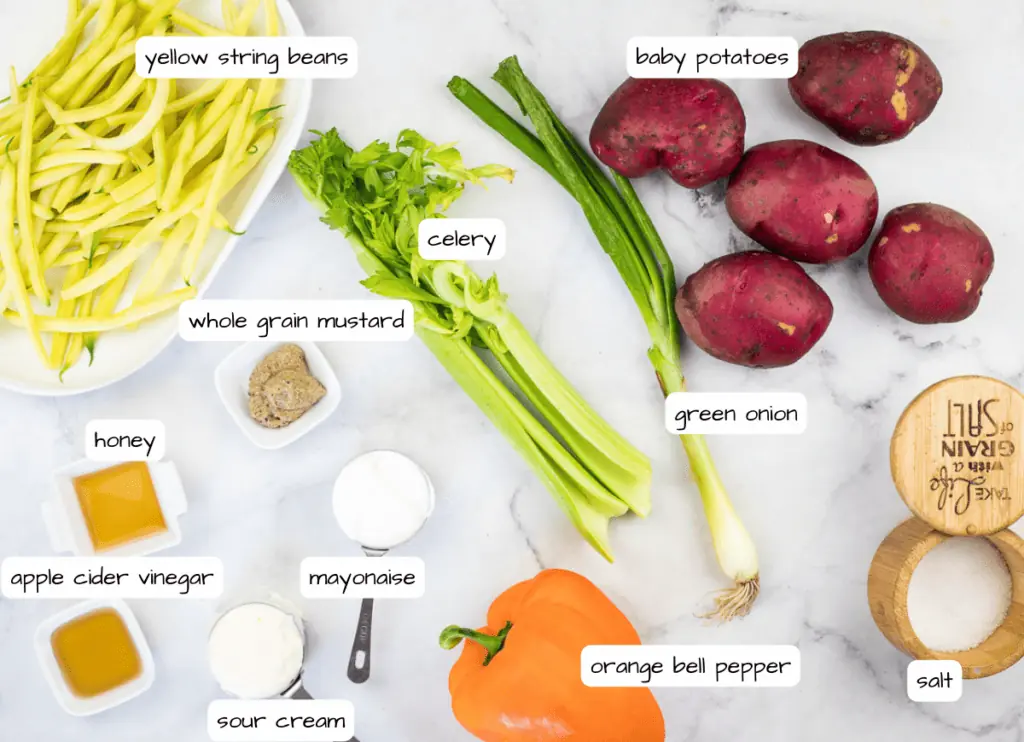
x=98, y=165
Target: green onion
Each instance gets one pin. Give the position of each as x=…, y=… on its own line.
x=377, y=198
x=628, y=236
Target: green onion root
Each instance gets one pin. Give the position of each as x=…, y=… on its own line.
x=734, y=548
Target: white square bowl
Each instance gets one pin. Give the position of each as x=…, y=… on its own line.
x=66, y=524
x=87, y=706
x=232, y=380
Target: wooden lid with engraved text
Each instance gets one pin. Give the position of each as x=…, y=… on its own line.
x=956, y=456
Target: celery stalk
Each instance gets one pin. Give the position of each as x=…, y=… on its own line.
x=377, y=197
x=542, y=452
x=549, y=392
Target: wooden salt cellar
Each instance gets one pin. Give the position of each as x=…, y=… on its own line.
x=957, y=464
x=889, y=582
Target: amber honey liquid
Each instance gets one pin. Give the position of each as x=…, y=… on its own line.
x=119, y=505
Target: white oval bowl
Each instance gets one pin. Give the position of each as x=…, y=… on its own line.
x=120, y=354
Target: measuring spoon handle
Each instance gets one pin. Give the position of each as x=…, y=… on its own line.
x=359, y=661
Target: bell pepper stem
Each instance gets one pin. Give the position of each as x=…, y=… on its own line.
x=452, y=636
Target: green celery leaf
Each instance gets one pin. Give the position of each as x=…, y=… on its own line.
x=394, y=287
x=369, y=153
x=449, y=158
x=463, y=323
x=493, y=171
x=412, y=139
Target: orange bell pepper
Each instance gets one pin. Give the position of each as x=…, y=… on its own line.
x=518, y=678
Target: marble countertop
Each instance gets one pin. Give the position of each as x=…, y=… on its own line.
x=818, y=505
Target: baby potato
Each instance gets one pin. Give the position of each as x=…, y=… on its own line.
x=753, y=308
x=692, y=129
x=869, y=87
x=802, y=200
x=929, y=263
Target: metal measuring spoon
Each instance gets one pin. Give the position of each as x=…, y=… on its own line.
x=359, y=659
x=394, y=464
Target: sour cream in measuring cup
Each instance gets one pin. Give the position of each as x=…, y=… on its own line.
x=256, y=651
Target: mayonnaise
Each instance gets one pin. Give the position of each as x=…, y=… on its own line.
x=381, y=499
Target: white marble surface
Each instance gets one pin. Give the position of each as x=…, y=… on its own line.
x=818, y=505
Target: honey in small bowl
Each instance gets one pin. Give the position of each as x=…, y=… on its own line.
x=119, y=505
x=96, y=653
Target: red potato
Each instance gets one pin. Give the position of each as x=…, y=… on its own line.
x=869, y=87
x=802, y=200
x=692, y=129
x=930, y=263
x=753, y=309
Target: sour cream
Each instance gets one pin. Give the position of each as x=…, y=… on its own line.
x=256, y=651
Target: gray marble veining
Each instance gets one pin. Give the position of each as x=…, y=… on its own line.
x=817, y=505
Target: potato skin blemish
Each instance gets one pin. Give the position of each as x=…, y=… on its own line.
x=908, y=58
x=899, y=104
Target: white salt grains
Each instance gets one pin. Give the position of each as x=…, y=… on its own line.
x=959, y=594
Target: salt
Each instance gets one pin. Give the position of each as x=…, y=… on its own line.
x=959, y=594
